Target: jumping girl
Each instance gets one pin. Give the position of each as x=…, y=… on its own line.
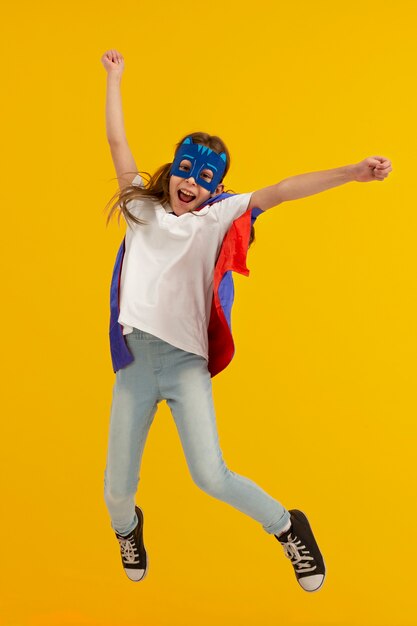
x=171, y=296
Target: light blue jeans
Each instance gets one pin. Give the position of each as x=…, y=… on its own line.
x=161, y=371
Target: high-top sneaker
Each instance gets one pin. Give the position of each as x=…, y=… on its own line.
x=133, y=551
x=301, y=548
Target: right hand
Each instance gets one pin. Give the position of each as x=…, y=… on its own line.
x=113, y=62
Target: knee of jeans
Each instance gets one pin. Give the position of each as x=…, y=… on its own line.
x=212, y=482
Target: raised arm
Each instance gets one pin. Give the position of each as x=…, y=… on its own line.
x=294, y=187
x=123, y=160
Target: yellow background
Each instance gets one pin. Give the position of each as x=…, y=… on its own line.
x=318, y=406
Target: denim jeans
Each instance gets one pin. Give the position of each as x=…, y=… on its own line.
x=161, y=371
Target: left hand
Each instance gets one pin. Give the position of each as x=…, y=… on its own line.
x=372, y=168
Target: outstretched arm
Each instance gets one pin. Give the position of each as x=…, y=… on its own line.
x=113, y=63
x=122, y=156
x=372, y=168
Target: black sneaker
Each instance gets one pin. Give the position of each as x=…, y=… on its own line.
x=301, y=547
x=133, y=551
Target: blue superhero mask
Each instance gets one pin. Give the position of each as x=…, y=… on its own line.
x=201, y=158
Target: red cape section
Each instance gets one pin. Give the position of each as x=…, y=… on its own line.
x=232, y=257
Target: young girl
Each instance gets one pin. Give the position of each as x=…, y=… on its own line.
x=171, y=296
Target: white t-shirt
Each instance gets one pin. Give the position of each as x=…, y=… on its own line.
x=166, y=285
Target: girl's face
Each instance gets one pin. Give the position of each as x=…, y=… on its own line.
x=184, y=193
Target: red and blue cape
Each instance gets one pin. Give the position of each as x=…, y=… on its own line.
x=232, y=258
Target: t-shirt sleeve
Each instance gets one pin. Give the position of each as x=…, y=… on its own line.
x=136, y=204
x=229, y=209
x=137, y=181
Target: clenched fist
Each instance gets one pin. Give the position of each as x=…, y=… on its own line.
x=113, y=62
x=372, y=168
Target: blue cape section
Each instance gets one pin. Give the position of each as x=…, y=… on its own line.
x=120, y=353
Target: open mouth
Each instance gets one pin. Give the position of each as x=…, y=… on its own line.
x=186, y=197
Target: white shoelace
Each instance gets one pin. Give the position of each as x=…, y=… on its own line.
x=128, y=549
x=293, y=550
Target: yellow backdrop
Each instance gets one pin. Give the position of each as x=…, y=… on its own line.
x=318, y=406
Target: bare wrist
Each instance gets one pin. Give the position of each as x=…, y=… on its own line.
x=351, y=172
x=114, y=76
